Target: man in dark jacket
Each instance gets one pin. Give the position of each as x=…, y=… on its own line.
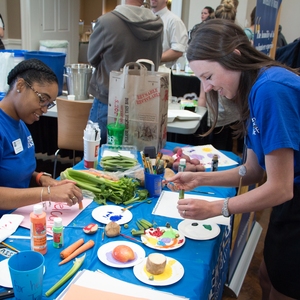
x=281, y=41
x=126, y=34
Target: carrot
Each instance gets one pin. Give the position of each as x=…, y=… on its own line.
x=80, y=204
x=78, y=251
x=99, y=174
x=69, y=250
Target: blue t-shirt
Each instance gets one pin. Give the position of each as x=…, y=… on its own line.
x=17, y=153
x=274, y=103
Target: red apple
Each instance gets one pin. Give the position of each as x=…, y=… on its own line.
x=123, y=253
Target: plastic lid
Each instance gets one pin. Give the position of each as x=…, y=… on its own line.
x=38, y=209
x=57, y=222
x=182, y=161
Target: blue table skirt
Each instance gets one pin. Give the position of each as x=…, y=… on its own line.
x=205, y=262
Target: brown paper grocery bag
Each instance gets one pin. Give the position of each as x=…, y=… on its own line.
x=141, y=97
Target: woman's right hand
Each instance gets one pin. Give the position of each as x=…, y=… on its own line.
x=182, y=180
x=68, y=193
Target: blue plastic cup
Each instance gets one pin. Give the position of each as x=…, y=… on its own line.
x=26, y=271
x=153, y=183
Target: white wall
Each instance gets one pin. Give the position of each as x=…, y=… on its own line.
x=290, y=19
x=3, y=12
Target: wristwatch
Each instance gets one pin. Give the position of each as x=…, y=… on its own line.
x=225, y=211
x=39, y=175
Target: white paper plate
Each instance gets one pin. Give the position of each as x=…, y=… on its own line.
x=171, y=117
x=173, y=273
x=111, y=213
x=5, y=279
x=105, y=254
x=165, y=241
x=198, y=230
x=182, y=114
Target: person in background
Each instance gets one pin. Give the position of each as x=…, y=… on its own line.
x=221, y=133
x=2, y=28
x=281, y=41
x=137, y=34
x=207, y=13
x=250, y=30
x=229, y=65
x=175, y=35
x=226, y=10
x=33, y=88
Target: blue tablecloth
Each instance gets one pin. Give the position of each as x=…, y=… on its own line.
x=205, y=262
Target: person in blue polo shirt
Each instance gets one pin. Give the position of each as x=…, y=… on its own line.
x=33, y=87
x=266, y=93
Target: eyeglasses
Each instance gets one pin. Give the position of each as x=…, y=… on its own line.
x=43, y=102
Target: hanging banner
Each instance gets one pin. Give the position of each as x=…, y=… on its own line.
x=266, y=25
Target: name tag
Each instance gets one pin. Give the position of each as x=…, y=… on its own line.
x=18, y=147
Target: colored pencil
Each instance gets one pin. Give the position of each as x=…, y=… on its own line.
x=10, y=247
x=131, y=238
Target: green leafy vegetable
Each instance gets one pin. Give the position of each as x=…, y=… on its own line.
x=77, y=264
x=123, y=191
x=118, y=162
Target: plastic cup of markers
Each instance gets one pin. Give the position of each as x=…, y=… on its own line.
x=153, y=183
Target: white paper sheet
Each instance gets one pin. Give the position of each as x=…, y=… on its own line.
x=205, y=154
x=167, y=206
x=9, y=224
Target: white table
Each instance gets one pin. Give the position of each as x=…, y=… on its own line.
x=185, y=126
x=178, y=126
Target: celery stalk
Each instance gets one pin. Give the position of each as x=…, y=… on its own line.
x=77, y=264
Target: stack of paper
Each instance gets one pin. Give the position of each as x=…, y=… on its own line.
x=98, y=285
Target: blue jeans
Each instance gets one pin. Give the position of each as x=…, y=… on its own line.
x=98, y=114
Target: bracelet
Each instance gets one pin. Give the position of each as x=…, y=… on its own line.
x=39, y=175
x=44, y=202
x=42, y=191
x=49, y=199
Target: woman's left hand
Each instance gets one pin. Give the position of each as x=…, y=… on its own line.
x=197, y=209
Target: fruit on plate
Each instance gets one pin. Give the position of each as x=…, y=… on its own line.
x=112, y=229
x=123, y=253
x=156, y=263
